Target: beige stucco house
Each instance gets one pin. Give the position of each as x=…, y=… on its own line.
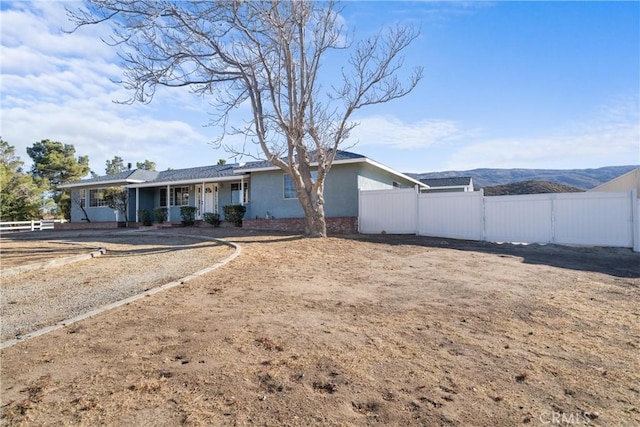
x=626, y=182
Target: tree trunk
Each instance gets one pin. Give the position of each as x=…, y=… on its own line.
x=86, y=217
x=315, y=225
x=313, y=206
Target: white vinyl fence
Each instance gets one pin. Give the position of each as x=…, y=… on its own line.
x=44, y=224
x=590, y=218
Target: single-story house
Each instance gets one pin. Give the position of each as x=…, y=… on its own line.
x=447, y=184
x=625, y=182
x=267, y=193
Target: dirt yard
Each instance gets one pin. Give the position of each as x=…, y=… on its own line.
x=348, y=331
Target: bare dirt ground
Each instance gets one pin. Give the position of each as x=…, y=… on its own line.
x=351, y=331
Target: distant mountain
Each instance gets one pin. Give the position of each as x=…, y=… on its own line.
x=529, y=187
x=584, y=179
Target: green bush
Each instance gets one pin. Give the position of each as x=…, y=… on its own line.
x=144, y=216
x=234, y=214
x=188, y=215
x=160, y=214
x=212, y=218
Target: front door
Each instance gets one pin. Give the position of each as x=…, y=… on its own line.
x=210, y=194
x=204, y=200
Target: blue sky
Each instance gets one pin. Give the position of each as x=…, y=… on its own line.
x=552, y=85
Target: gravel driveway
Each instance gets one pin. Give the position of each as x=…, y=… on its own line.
x=134, y=262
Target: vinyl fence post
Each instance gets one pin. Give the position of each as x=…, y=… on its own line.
x=417, y=196
x=635, y=220
x=359, y=209
x=33, y=225
x=483, y=212
x=553, y=219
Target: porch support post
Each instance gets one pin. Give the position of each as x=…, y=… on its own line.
x=202, y=197
x=168, y=203
x=242, y=190
x=216, y=186
x=137, y=202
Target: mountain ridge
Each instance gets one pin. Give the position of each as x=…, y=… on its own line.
x=529, y=187
x=584, y=179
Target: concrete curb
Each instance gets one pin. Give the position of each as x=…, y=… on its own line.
x=67, y=322
x=53, y=263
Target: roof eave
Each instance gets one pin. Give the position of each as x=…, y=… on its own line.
x=442, y=187
x=312, y=164
x=185, y=182
x=344, y=162
x=394, y=172
x=80, y=184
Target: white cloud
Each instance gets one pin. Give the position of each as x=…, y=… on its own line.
x=101, y=133
x=394, y=133
x=60, y=86
x=611, y=137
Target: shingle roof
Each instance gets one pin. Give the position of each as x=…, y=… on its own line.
x=144, y=178
x=125, y=177
x=203, y=172
x=453, y=181
x=264, y=164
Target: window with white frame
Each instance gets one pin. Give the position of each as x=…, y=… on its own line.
x=82, y=197
x=97, y=198
x=235, y=193
x=180, y=196
x=290, y=188
x=163, y=197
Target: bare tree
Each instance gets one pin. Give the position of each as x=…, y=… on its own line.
x=80, y=201
x=267, y=54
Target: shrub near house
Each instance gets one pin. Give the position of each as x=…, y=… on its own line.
x=234, y=214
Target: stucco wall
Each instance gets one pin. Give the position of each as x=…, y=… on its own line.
x=341, y=191
x=95, y=214
x=626, y=182
x=76, y=212
x=374, y=178
x=147, y=199
x=267, y=195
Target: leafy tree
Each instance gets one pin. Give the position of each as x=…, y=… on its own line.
x=56, y=162
x=116, y=198
x=146, y=165
x=115, y=166
x=49, y=207
x=268, y=55
x=222, y=162
x=20, y=195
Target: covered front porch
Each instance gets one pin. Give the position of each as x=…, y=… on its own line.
x=207, y=196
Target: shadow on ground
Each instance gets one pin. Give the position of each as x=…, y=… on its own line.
x=618, y=262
